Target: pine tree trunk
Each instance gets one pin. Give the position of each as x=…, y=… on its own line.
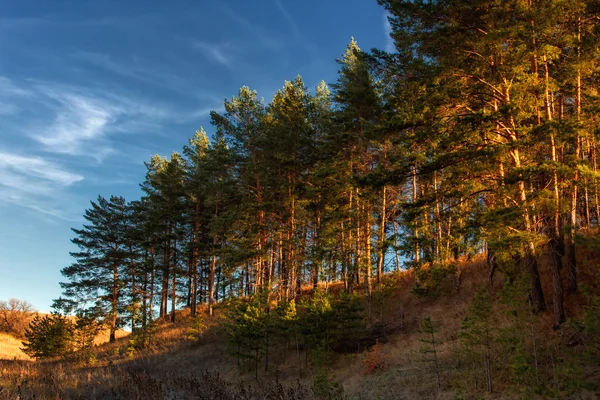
x=134, y=291
x=571, y=250
x=536, y=295
x=194, y=266
x=316, y=243
x=151, y=299
x=381, y=248
x=165, y=281
x=211, y=278
x=438, y=222
x=416, y=230
x=145, y=292
x=174, y=277
x=114, y=303
x=345, y=258
x=556, y=250
x=556, y=245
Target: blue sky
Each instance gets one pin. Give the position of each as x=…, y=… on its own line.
x=89, y=90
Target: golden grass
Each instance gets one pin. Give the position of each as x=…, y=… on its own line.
x=104, y=336
x=10, y=348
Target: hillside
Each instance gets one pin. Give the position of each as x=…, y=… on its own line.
x=395, y=364
x=10, y=346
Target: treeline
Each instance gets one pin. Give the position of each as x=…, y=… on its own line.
x=477, y=134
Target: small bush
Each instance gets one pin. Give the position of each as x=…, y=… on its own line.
x=374, y=360
x=196, y=329
x=434, y=281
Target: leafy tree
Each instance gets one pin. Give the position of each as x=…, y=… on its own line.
x=15, y=315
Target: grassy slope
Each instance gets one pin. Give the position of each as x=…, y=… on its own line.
x=10, y=346
x=399, y=372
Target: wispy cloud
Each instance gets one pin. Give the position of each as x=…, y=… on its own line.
x=205, y=111
x=34, y=183
x=265, y=39
x=79, y=121
x=51, y=213
x=8, y=108
x=37, y=184
x=291, y=22
x=59, y=125
x=136, y=69
x=387, y=28
x=297, y=34
x=7, y=87
x=106, y=62
x=56, y=20
x=37, y=168
x=215, y=53
x=87, y=121
x=8, y=92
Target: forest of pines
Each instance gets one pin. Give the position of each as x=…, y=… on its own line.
x=477, y=135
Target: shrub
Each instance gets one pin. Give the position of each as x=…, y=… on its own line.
x=48, y=336
x=434, y=281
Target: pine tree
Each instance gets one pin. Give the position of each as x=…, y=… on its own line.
x=242, y=128
x=96, y=280
x=477, y=333
x=429, y=328
x=165, y=189
x=48, y=336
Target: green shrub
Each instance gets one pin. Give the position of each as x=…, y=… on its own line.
x=49, y=336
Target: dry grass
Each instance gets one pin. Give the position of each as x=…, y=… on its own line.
x=10, y=348
x=104, y=336
x=173, y=366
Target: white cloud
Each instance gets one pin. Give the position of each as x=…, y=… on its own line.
x=79, y=120
x=16, y=166
x=35, y=183
x=86, y=122
x=74, y=124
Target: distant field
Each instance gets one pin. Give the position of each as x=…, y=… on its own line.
x=10, y=348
